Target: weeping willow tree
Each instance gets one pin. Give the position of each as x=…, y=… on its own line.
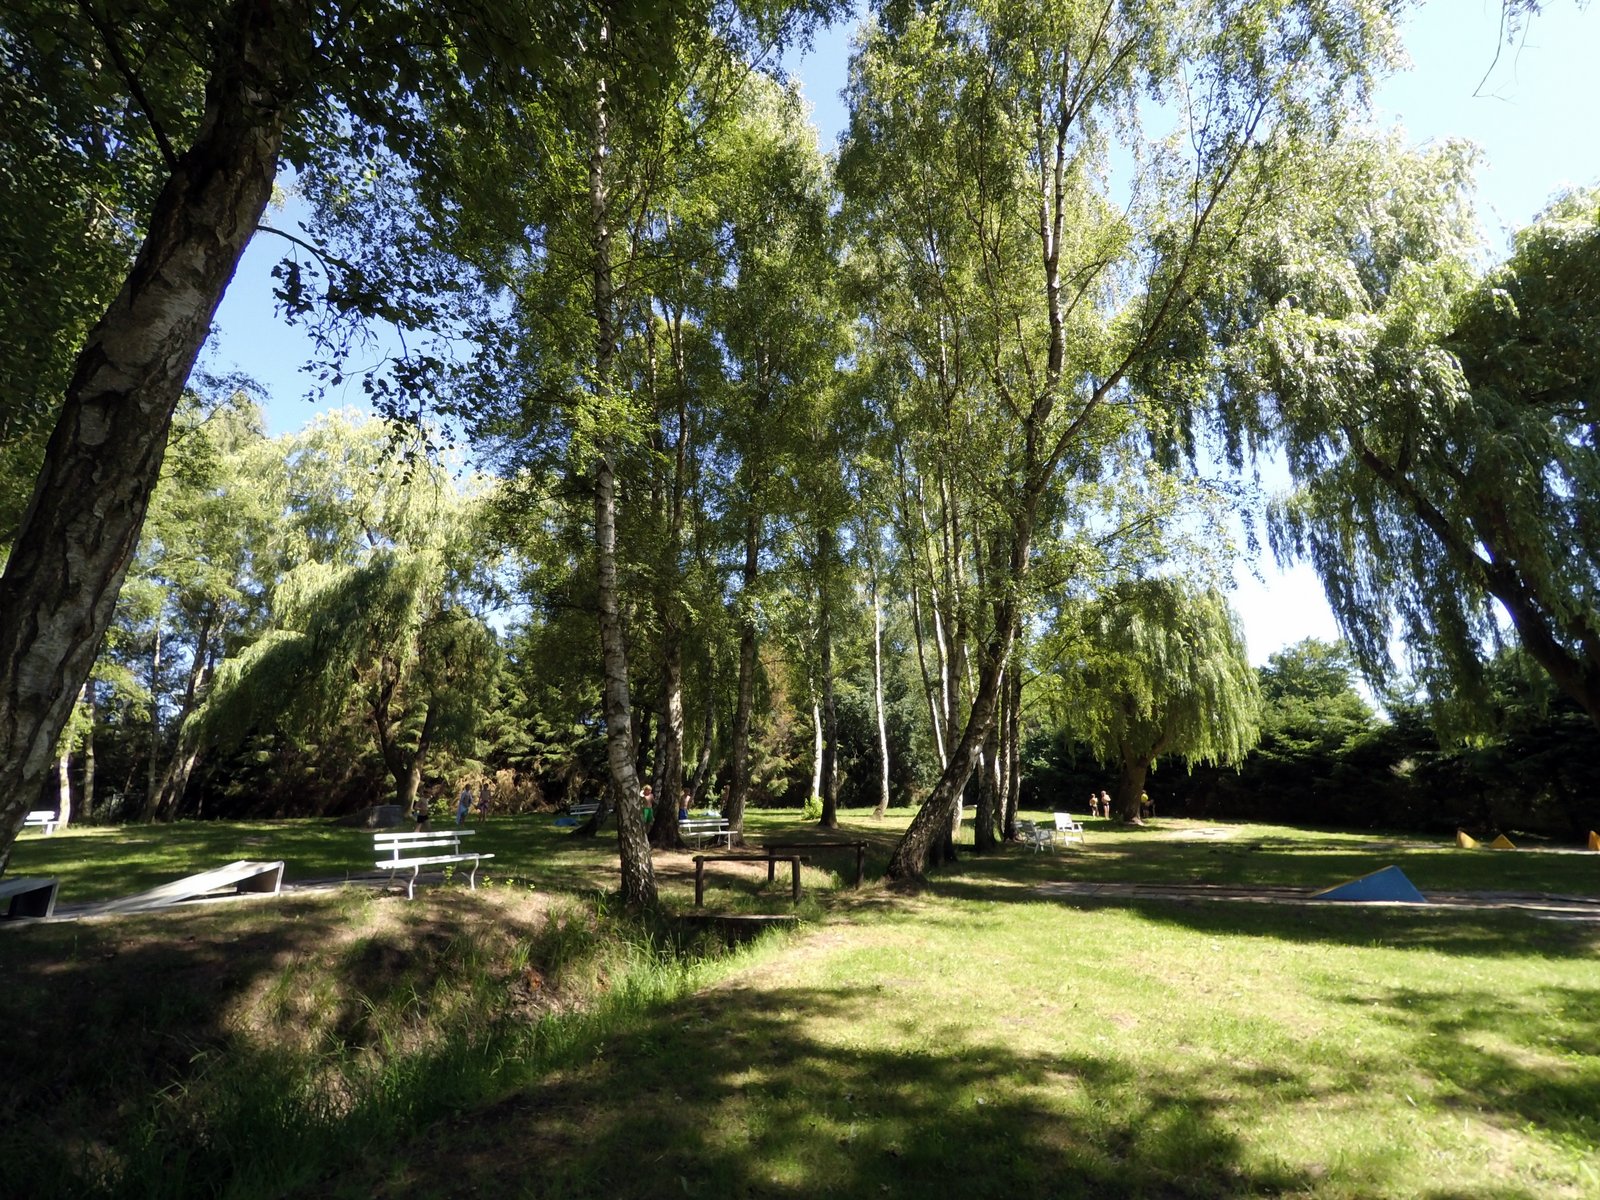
x=1155, y=667
x=380, y=638
x=1439, y=420
x=374, y=616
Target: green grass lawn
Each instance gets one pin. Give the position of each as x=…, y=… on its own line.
x=100, y=862
x=973, y=1037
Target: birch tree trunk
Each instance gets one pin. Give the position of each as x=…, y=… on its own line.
x=1013, y=750
x=816, y=748
x=81, y=528
x=64, y=789
x=910, y=857
x=739, y=769
x=638, y=873
x=174, y=780
x=828, y=760
x=877, y=702
x=152, y=772
x=87, y=795
x=669, y=741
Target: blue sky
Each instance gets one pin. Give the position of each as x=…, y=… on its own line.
x=1534, y=112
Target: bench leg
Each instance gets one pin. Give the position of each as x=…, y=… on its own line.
x=795, y=863
x=861, y=861
x=772, y=868
x=472, y=878
x=411, y=884
x=699, y=882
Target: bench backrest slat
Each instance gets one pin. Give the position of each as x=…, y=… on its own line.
x=396, y=844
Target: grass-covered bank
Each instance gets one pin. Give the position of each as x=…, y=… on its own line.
x=247, y=1050
x=973, y=1036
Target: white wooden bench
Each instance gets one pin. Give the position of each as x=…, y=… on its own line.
x=397, y=846
x=1067, y=830
x=42, y=818
x=577, y=814
x=28, y=897
x=698, y=831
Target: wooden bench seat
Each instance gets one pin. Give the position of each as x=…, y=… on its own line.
x=400, y=848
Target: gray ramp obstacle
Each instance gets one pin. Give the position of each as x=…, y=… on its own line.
x=237, y=878
x=1389, y=884
x=28, y=897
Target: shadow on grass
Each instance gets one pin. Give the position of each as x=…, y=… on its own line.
x=1528, y=1059
x=730, y=1095
x=143, y=1036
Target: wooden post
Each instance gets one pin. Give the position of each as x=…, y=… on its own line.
x=861, y=861
x=699, y=881
x=795, y=863
x=772, y=867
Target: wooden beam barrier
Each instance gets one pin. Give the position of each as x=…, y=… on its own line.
x=700, y=861
x=860, y=847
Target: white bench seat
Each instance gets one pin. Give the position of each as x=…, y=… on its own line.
x=397, y=847
x=699, y=830
x=42, y=818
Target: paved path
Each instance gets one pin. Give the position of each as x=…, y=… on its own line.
x=1554, y=908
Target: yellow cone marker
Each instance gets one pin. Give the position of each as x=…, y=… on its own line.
x=1594, y=840
x=1466, y=841
x=1502, y=843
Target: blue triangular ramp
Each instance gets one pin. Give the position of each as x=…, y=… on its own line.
x=1388, y=884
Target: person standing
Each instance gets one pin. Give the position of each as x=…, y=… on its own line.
x=464, y=804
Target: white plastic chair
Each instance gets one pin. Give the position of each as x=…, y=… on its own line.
x=1068, y=830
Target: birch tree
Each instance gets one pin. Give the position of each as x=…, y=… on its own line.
x=1080, y=281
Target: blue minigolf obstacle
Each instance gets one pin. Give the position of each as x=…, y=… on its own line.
x=1388, y=884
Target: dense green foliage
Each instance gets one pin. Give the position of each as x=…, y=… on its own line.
x=836, y=452
x=1437, y=418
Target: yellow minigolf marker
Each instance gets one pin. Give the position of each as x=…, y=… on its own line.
x=1594, y=840
x=1466, y=841
x=1502, y=843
